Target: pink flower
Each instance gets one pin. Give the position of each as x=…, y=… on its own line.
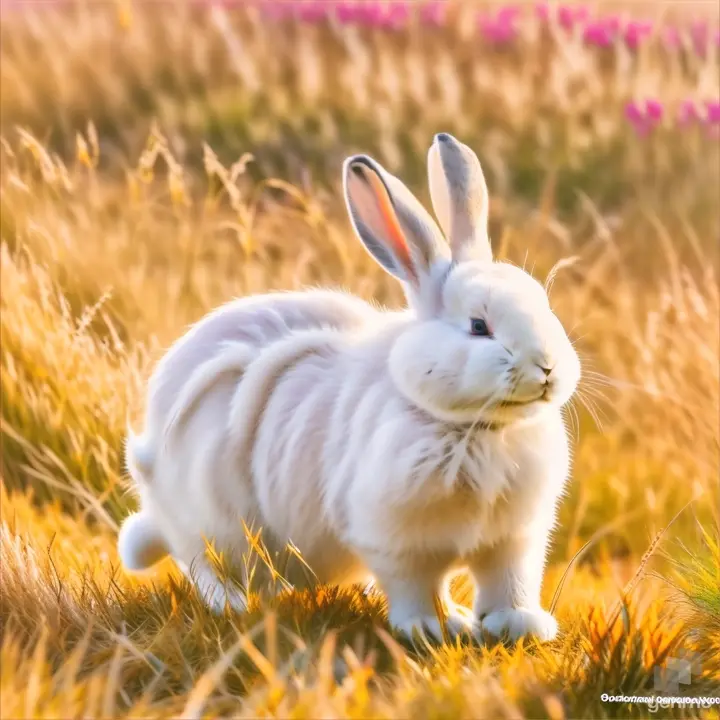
x=687, y=113
x=644, y=117
x=690, y=113
x=543, y=11
x=499, y=29
x=508, y=14
x=280, y=10
x=598, y=34
x=672, y=37
x=570, y=15
x=433, y=13
x=636, y=31
x=634, y=114
x=700, y=35
x=566, y=17
x=713, y=112
x=346, y=12
x=613, y=23
x=495, y=32
x=654, y=110
x=397, y=15
x=582, y=14
x=312, y=11
x=371, y=14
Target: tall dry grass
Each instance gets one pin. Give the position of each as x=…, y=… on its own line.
x=129, y=209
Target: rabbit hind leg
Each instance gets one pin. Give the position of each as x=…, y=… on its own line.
x=216, y=593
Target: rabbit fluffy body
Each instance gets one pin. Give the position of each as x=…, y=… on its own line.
x=398, y=445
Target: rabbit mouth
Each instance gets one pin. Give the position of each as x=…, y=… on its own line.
x=543, y=397
x=508, y=404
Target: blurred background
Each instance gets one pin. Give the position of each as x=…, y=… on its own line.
x=161, y=158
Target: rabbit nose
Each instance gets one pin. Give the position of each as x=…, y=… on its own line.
x=544, y=363
x=538, y=375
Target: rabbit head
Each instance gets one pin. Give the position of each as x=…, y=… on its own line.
x=484, y=345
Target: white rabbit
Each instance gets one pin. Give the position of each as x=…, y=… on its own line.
x=402, y=445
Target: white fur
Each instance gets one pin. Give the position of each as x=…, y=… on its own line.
x=376, y=441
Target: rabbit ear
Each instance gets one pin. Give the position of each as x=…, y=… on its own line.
x=460, y=198
x=394, y=227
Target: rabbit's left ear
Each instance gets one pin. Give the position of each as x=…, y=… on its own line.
x=460, y=198
x=392, y=224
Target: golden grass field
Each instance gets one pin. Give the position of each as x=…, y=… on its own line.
x=158, y=161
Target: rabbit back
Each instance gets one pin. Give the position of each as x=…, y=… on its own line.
x=254, y=321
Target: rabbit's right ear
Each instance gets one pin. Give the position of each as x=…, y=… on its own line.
x=394, y=227
x=460, y=198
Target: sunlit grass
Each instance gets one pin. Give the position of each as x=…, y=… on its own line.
x=130, y=208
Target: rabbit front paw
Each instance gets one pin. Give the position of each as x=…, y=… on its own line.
x=422, y=624
x=459, y=625
x=517, y=622
x=455, y=625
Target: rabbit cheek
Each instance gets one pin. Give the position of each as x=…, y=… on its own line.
x=428, y=366
x=567, y=377
x=486, y=369
x=415, y=366
x=438, y=370
x=415, y=371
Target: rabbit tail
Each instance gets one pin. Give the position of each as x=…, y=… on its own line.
x=140, y=543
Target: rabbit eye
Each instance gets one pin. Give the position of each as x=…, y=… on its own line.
x=479, y=327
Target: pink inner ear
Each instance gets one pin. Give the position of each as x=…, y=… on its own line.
x=389, y=231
